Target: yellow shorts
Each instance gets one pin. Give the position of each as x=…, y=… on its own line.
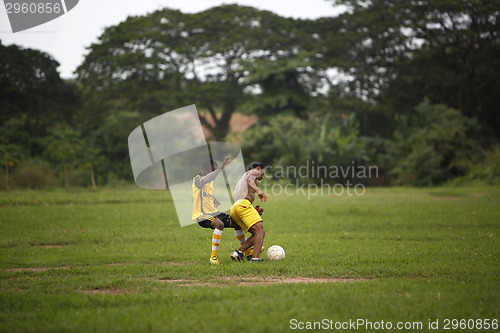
x=244, y=214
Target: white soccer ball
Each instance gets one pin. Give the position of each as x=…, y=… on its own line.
x=275, y=252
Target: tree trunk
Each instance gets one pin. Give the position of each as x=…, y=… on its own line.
x=66, y=179
x=92, y=177
x=7, y=176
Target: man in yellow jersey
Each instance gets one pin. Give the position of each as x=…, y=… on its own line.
x=205, y=203
x=246, y=215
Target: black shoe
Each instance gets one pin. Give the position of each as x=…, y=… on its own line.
x=237, y=256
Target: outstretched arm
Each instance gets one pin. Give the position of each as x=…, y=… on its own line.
x=211, y=176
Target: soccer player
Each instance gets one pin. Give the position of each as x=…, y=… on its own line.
x=205, y=203
x=246, y=215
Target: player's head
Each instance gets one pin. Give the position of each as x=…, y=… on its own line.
x=258, y=166
x=254, y=165
x=208, y=166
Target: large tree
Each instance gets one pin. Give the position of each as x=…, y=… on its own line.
x=168, y=59
x=32, y=94
x=398, y=52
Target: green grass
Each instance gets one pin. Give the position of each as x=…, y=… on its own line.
x=420, y=255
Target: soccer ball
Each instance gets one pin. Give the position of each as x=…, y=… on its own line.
x=275, y=252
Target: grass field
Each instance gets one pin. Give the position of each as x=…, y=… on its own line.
x=118, y=261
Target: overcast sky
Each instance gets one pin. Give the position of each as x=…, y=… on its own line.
x=67, y=37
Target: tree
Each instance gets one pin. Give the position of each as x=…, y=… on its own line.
x=288, y=141
x=111, y=142
x=32, y=91
x=398, y=52
x=168, y=59
x=91, y=157
x=279, y=86
x=63, y=144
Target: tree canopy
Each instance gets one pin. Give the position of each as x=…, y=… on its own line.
x=399, y=52
x=212, y=59
x=411, y=86
x=32, y=95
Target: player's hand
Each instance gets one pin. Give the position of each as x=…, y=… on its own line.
x=259, y=210
x=262, y=196
x=226, y=162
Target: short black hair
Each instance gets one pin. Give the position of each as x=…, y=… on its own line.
x=253, y=165
x=208, y=163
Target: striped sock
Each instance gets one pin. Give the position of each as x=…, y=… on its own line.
x=215, y=241
x=240, y=234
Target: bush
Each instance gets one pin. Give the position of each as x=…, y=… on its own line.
x=34, y=174
x=113, y=181
x=288, y=141
x=487, y=172
x=79, y=177
x=433, y=145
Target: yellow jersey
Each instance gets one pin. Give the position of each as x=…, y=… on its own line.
x=203, y=197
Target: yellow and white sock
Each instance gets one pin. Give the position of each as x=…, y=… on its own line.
x=215, y=241
x=240, y=234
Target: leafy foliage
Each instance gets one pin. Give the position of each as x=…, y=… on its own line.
x=34, y=174
x=321, y=141
x=63, y=145
x=168, y=58
x=433, y=145
x=336, y=90
x=399, y=52
x=32, y=94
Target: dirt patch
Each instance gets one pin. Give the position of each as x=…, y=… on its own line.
x=34, y=269
x=173, y=280
x=240, y=122
x=50, y=246
x=237, y=124
x=449, y=198
x=105, y=291
x=194, y=283
x=201, y=284
x=297, y=279
x=255, y=281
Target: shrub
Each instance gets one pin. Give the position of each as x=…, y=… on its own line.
x=487, y=172
x=433, y=145
x=34, y=174
x=288, y=141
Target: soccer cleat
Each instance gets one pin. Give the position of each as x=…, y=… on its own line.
x=249, y=253
x=257, y=260
x=237, y=256
x=214, y=260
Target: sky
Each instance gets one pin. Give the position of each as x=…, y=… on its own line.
x=67, y=37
